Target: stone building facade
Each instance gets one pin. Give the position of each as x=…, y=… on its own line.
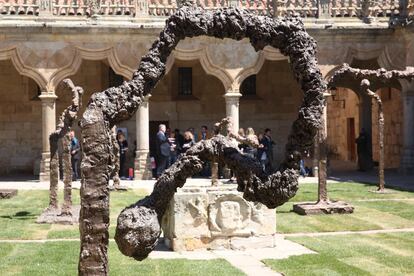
x=43, y=42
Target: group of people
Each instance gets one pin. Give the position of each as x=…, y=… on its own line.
x=259, y=147
x=170, y=144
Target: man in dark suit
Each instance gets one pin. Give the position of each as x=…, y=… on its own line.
x=268, y=149
x=163, y=150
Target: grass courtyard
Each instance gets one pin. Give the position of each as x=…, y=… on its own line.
x=356, y=254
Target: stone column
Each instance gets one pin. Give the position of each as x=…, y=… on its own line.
x=143, y=169
x=407, y=156
x=232, y=108
x=48, y=126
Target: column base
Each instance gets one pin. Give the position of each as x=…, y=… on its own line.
x=407, y=161
x=142, y=166
x=44, y=174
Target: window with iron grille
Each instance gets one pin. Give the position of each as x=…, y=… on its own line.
x=185, y=81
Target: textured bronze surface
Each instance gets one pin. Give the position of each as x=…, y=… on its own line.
x=138, y=225
x=67, y=176
x=365, y=84
x=377, y=78
x=66, y=120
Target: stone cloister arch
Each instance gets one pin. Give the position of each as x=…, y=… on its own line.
x=229, y=74
x=366, y=112
x=82, y=53
x=115, y=104
x=20, y=122
x=13, y=54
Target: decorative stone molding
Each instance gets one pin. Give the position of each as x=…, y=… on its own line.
x=12, y=53
x=108, y=53
x=229, y=74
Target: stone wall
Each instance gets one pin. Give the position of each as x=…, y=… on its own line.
x=344, y=105
x=393, y=135
x=205, y=107
x=20, y=122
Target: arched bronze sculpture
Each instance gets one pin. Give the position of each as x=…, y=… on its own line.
x=139, y=227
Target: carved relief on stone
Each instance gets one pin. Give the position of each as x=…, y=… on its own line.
x=198, y=210
x=230, y=214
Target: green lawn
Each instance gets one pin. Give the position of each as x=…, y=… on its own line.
x=368, y=215
x=61, y=258
x=356, y=254
x=374, y=254
x=379, y=254
x=18, y=215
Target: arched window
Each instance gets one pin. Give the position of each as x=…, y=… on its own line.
x=185, y=81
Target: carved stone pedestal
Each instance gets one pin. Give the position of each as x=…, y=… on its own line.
x=329, y=207
x=217, y=217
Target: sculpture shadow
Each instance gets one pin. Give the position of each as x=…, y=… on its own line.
x=21, y=215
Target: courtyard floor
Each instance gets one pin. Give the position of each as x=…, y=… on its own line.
x=377, y=239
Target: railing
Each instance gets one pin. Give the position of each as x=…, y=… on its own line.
x=160, y=8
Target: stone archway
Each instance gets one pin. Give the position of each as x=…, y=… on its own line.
x=116, y=104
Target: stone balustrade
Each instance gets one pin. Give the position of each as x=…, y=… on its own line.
x=160, y=8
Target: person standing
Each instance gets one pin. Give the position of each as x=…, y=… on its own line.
x=179, y=138
x=242, y=135
x=268, y=149
x=75, y=154
x=251, y=143
x=163, y=150
x=204, y=135
x=364, y=150
x=123, y=148
x=261, y=154
x=175, y=148
x=188, y=141
x=195, y=138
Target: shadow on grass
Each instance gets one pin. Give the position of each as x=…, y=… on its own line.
x=22, y=215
